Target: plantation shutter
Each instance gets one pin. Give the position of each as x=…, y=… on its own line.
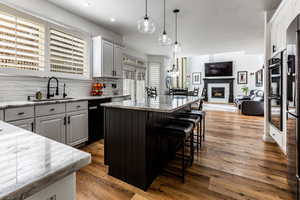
x=154, y=75
x=21, y=43
x=67, y=53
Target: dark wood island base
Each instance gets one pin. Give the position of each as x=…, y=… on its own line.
x=133, y=151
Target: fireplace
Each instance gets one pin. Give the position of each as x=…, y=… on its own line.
x=218, y=92
x=226, y=83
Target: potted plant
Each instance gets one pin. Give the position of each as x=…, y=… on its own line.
x=245, y=90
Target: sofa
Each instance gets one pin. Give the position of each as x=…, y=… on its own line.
x=252, y=104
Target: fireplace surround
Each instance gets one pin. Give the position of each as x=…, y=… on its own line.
x=219, y=80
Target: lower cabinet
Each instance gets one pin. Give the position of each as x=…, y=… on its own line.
x=53, y=127
x=77, y=127
x=27, y=124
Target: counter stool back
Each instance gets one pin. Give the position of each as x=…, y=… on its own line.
x=182, y=131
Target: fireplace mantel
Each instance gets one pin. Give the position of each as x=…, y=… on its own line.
x=219, y=80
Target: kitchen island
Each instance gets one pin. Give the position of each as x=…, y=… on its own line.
x=33, y=167
x=132, y=149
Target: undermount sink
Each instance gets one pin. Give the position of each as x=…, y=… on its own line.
x=54, y=99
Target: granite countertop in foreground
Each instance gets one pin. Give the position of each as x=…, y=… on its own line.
x=30, y=163
x=14, y=104
x=161, y=103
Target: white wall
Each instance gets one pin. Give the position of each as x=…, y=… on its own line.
x=14, y=88
x=276, y=34
x=241, y=62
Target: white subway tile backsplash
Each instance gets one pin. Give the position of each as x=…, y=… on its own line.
x=16, y=88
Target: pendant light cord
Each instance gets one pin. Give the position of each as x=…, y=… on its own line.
x=176, y=27
x=164, y=16
x=146, y=8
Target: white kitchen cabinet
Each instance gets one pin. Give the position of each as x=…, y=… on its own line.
x=1, y=115
x=77, y=127
x=107, y=59
x=64, y=189
x=118, y=61
x=53, y=127
x=27, y=124
x=20, y=113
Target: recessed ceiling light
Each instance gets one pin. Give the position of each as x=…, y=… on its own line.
x=112, y=19
x=86, y=4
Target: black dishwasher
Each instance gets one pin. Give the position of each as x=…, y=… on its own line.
x=96, y=119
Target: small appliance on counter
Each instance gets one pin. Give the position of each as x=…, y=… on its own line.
x=97, y=89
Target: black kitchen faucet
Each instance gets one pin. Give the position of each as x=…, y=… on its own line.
x=49, y=87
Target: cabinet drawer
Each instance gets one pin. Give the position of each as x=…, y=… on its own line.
x=76, y=106
x=52, y=109
x=1, y=115
x=13, y=114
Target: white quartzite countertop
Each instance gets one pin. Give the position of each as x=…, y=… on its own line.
x=161, y=103
x=14, y=104
x=30, y=163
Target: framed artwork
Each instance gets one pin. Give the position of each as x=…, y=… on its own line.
x=259, y=78
x=196, y=78
x=242, y=77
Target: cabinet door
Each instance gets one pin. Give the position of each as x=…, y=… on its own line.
x=107, y=58
x=77, y=129
x=52, y=127
x=1, y=115
x=118, y=61
x=27, y=124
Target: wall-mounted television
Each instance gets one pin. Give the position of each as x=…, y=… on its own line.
x=218, y=69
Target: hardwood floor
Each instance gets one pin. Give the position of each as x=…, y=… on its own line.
x=233, y=164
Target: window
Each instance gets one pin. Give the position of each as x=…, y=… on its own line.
x=21, y=44
x=129, y=82
x=67, y=53
x=36, y=47
x=154, y=75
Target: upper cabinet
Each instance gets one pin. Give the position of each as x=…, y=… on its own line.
x=107, y=59
x=1, y=115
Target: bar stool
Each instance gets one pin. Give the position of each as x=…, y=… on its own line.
x=196, y=120
x=201, y=114
x=183, y=131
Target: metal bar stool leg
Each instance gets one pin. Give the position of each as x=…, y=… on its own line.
x=192, y=149
x=198, y=142
x=200, y=135
x=203, y=134
x=183, y=161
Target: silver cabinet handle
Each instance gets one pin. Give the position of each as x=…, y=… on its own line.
x=21, y=113
x=52, y=109
x=93, y=108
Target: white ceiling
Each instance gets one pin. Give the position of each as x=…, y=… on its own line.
x=205, y=26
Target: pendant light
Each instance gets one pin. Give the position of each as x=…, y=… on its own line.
x=146, y=24
x=176, y=47
x=164, y=39
x=173, y=72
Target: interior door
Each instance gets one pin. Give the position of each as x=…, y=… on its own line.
x=77, y=129
x=107, y=58
x=52, y=127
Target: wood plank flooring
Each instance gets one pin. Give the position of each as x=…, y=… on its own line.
x=234, y=163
